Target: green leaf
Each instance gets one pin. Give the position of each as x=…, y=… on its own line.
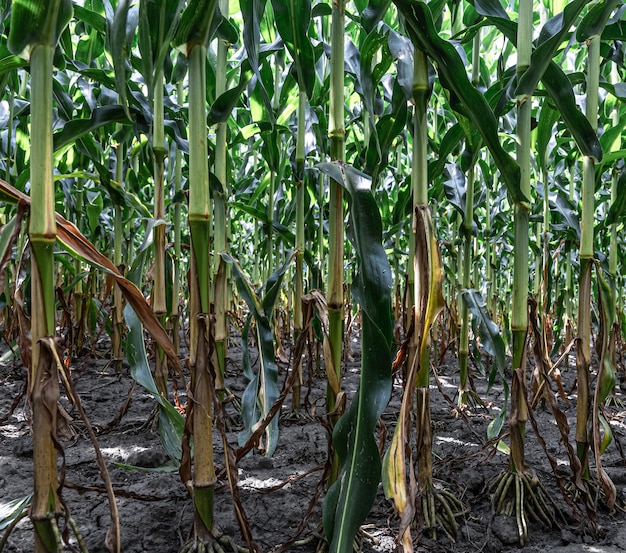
x=13, y=510
x=494, y=345
x=171, y=422
x=293, y=18
x=373, y=13
x=550, y=39
x=350, y=498
x=91, y=18
x=223, y=106
x=489, y=332
x=262, y=390
x=94, y=209
x=547, y=119
x=595, y=20
x=37, y=22
x=195, y=24
x=252, y=14
x=117, y=45
x=10, y=63
x=618, y=207
x=455, y=188
x=560, y=90
x=77, y=128
x=464, y=96
x=557, y=85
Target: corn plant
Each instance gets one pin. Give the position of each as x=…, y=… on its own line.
x=326, y=121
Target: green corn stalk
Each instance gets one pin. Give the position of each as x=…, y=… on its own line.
x=464, y=391
x=192, y=35
x=519, y=322
x=589, y=31
x=118, y=306
x=336, y=133
x=35, y=28
x=220, y=218
x=586, y=255
x=419, y=180
x=159, y=301
x=293, y=20
x=177, y=227
x=300, y=245
x=604, y=386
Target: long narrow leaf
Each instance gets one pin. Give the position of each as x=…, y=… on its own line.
x=292, y=19
x=350, y=498
x=262, y=390
x=465, y=96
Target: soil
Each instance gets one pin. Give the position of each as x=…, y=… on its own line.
x=156, y=512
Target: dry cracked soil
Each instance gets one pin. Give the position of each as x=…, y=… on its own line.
x=156, y=512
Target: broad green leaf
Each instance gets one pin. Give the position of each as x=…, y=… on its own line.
x=494, y=345
x=262, y=390
x=223, y=106
x=595, y=20
x=455, y=188
x=37, y=22
x=550, y=39
x=547, y=119
x=350, y=498
x=292, y=19
x=567, y=213
x=13, y=510
x=157, y=24
x=9, y=63
x=611, y=139
x=252, y=13
x=618, y=208
x=373, y=13
x=560, y=90
x=171, y=422
x=117, y=45
x=554, y=80
x=358, y=62
x=387, y=128
x=195, y=24
x=465, y=96
x=489, y=333
x=402, y=51
x=77, y=128
x=91, y=18
x=94, y=209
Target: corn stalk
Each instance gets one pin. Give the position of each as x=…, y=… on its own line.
x=35, y=28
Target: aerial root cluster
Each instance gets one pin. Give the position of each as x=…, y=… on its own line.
x=299, y=416
x=322, y=544
x=440, y=509
x=221, y=544
x=523, y=496
x=469, y=400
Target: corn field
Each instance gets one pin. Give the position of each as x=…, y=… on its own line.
x=387, y=233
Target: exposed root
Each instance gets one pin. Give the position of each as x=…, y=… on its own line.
x=614, y=401
x=440, y=509
x=220, y=544
x=322, y=544
x=524, y=497
x=299, y=416
x=469, y=400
